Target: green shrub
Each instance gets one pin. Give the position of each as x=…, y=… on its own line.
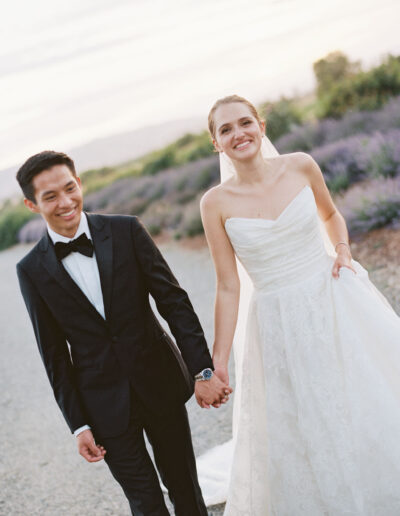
x=383, y=162
x=154, y=229
x=364, y=91
x=280, y=117
x=12, y=218
x=199, y=147
x=185, y=140
x=332, y=68
x=194, y=226
x=97, y=172
x=374, y=215
x=163, y=159
x=338, y=183
x=186, y=197
x=138, y=206
x=199, y=152
x=181, y=183
x=203, y=179
x=176, y=219
x=96, y=179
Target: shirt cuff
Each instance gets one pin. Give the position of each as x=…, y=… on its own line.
x=81, y=429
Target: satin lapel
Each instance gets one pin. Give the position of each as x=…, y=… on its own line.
x=56, y=269
x=100, y=229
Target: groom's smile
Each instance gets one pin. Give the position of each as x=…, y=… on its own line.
x=58, y=197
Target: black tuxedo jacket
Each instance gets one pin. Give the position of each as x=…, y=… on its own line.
x=92, y=377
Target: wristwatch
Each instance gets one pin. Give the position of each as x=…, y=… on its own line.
x=205, y=374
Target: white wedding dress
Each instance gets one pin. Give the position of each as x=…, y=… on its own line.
x=318, y=414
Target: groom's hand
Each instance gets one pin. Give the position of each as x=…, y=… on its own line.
x=87, y=447
x=211, y=392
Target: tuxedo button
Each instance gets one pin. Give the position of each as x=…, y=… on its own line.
x=115, y=339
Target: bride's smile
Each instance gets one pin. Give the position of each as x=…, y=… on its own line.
x=238, y=132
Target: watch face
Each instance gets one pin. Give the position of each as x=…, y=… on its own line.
x=207, y=374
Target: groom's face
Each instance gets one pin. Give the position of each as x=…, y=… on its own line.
x=59, y=200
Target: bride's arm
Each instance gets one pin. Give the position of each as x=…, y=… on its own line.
x=334, y=222
x=228, y=284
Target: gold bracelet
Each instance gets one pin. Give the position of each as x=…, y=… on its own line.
x=343, y=243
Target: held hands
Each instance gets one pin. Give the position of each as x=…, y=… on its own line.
x=87, y=447
x=215, y=391
x=343, y=259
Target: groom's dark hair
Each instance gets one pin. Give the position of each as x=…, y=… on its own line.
x=37, y=164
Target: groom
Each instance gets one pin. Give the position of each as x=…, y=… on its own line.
x=114, y=371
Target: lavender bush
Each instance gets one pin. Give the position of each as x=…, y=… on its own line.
x=310, y=135
x=359, y=157
x=166, y=201
x=371, y=205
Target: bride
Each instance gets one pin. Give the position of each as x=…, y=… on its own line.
x=317, y=404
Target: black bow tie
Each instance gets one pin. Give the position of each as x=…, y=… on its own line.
x=82, y=245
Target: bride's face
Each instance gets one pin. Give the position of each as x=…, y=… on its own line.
x=237, y=132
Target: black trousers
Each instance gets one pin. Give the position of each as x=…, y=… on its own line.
x=132, y=467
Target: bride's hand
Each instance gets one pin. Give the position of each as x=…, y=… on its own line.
x=223, y=374
x=343, y=259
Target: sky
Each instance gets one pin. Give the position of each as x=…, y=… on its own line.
x=71, y=72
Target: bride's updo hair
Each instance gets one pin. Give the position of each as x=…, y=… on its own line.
x=229, y=100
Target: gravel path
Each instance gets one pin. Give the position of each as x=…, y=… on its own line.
x=41, y=472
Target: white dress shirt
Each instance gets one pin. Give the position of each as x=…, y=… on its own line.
x=85, y=272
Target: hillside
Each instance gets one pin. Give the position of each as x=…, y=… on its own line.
x=118, y=148
x=358, y=149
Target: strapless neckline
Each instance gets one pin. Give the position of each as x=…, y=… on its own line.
x=297, y=196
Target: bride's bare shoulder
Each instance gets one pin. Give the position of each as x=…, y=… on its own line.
x=298, y=159
x=214, y=196
x=297, y=163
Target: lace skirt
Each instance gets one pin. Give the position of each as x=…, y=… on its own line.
x=319, y=424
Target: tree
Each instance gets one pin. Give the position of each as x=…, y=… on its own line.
x=333, y=68
x=364, y=91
